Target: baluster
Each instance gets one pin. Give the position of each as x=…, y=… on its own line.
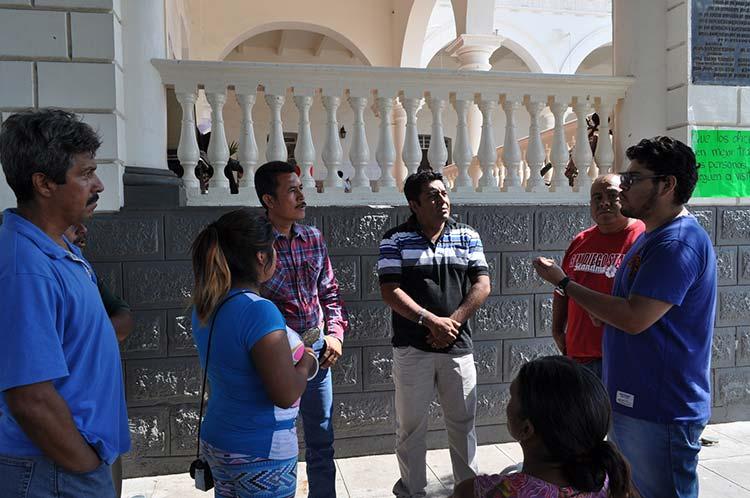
x=187, y=150
x=359, y=152
x=462, y=155
x=412, y=153
x=304, y=151
x=559, y=156
x=276, y=149
x=605, y=154
x=218, y=150
x=583, y=157
x=535, y=154
x=332, y=152
x=487, y=153
x=512, y=159
x=386, y=152
x=437, y=153
x=248, y=148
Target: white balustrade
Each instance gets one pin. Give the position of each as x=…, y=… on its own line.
x=359, y=152
x=304, y=152
x=560, y=155
x=605, y=155
x=332, y=151
x=218, y=150
x=386, y=152
x=248, y=148
x=437, y=152
x=276, y=149
x=462, y=155
x=412, y=154
x=583, y=157
x=512, y=159
x=535, y=154
x=187, y=150
x=326, y=85
x=487, y=153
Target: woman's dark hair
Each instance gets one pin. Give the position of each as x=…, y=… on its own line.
x=570, y=411
x=667, y=156
x=224, y=253
x=42, y=141
x=266, y=178
x=414, y=183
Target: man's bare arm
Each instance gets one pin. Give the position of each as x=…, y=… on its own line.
x=633, y=314
x=476, y=296
x=45, y=418
x=444, y=330
x=559, y=320
x=123, y=323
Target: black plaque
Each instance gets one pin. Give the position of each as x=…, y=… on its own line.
x=721, y=42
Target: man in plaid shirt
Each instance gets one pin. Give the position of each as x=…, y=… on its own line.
x=306, y=291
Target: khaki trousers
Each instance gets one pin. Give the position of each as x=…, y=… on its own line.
x=417, y=374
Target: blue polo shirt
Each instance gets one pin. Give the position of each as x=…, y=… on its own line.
x=55, y=329
x=663, y=374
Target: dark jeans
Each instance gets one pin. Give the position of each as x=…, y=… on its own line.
x=40, y=477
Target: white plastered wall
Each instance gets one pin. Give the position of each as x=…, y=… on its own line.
x=67, y=54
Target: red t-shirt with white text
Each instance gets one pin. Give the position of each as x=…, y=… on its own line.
x=592, y=260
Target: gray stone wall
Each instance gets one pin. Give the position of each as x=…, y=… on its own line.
x=144, y=255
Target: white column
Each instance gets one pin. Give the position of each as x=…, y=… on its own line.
x=535, y=154
x=332, y=152
x=487, y=153
x=559, y=156
x=583, y=157
x=359, y=152
x=386, y=152
x=248, y=148
x=437, y=153
x=143, y=39
x=187, y=150
x=276, y=149
x=462, y=155
x=512, y=159
x=605, y=155
x=412, y=153
x=304, y=152
x=218, y=150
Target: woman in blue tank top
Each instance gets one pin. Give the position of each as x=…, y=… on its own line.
x=257, y=369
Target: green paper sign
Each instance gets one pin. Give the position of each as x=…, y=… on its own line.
x=724, y=159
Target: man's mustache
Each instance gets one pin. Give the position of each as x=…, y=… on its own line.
x=94, y=198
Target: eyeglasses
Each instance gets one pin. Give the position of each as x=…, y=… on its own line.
x=628, y=179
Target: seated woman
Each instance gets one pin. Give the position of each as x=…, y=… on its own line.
x=560, y=413
x=248, y=436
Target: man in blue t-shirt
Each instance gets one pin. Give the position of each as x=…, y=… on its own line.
x=62, y=402
x=660, y=319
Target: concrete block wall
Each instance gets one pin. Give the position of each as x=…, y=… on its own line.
x=67, y=54
x=144, y=255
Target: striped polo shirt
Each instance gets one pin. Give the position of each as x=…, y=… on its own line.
x=437, y=276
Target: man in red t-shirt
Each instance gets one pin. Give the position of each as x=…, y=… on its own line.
x=592, y=260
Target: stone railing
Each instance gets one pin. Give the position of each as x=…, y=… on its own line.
x=500, y=180
x=578, y=6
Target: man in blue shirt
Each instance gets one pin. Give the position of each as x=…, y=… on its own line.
x=62, y=403
x=660, y=319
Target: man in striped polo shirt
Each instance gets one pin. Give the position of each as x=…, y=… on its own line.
x=434, y=276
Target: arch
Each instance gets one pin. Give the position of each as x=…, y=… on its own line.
x=525, y=46
x=415, y=32
x=302, y=26
x=594, y=40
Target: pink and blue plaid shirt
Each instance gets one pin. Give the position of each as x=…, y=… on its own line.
x=303, y=286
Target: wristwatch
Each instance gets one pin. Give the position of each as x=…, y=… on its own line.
x=420, y=320
x=561, y=285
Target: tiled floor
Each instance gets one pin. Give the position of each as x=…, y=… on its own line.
x=724, y=471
